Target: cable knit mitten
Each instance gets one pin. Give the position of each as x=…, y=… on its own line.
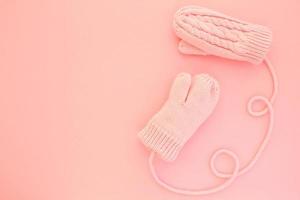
x=188, y=106
x=207, y=32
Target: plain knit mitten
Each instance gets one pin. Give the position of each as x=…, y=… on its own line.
x=189, y=104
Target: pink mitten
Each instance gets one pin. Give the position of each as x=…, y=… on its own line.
x=207, y=32
x=188, y=106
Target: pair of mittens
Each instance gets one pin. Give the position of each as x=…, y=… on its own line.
x=202, y=32
x=190, y=103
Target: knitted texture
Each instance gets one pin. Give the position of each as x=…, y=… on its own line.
x=207, y=32
x=188, y=106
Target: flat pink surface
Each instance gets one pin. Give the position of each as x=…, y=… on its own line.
x=79, y=79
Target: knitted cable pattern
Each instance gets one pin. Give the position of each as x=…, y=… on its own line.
x=220, y=35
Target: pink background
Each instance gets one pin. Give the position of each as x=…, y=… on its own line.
x=79, y=79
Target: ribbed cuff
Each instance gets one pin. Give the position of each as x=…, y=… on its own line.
x=258, y=43
x=161, y=141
